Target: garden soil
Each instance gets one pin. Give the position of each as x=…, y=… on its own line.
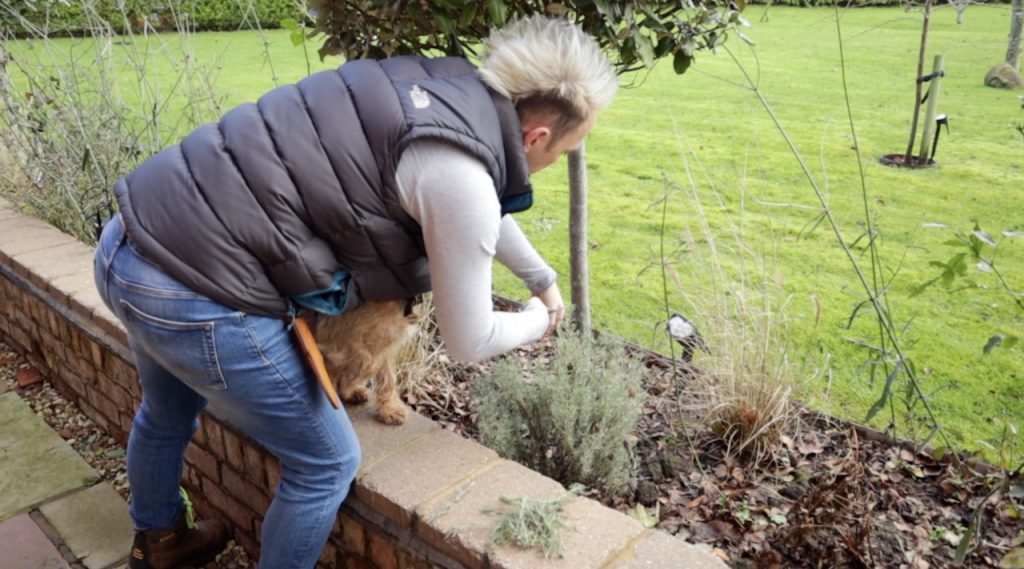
x=833, y=494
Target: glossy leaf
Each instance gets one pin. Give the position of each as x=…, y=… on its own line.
x=646, y=49
x=498, y=11
x=681, y=62
x=635, y=34
x=605, y=10
x=444, y=23
x=468, y=14
x=984, y=237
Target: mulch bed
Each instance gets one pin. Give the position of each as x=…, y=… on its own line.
x=833, y=495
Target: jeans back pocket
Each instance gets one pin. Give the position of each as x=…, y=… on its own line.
x=186, y=349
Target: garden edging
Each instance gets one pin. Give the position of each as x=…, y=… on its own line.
x=421, y=494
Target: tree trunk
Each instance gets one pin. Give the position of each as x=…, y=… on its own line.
x=908, y=157
x=1016, y=24
x=578, y=247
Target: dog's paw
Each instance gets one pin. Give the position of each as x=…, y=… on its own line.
x=391, y=413
x=356, y=395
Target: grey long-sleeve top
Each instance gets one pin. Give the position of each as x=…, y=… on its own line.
x=451, y=195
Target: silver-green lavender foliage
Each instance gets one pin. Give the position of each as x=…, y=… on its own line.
x=569, y=414
x=531, y=523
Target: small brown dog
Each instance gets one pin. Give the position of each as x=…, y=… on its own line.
x=363, y=344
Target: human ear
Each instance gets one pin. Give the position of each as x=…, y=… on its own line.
x=535, y=135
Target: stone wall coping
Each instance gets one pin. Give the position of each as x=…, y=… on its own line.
x=426, y=488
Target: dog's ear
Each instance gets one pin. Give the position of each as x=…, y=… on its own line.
x=411, y=310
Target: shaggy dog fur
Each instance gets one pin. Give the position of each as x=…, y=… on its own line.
x=364, y=344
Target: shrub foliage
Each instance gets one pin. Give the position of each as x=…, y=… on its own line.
x=67, y=129
x=635, y=33
x=59, y=17
x=569, y=414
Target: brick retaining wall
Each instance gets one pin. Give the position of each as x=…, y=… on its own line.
x=420, y=497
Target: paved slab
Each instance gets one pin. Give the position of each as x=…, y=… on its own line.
x=25, y=234
x=396, y=485
x=55, y=262
x=659, y=550
x=25, y=546
x=459, y=523
x=591, y=535
x=35, y=463
x=94, y=524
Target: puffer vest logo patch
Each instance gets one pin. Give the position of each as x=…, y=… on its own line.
x=419, y=97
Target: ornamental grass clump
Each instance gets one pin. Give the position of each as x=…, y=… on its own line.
x=745, y=391
x=569, y=413
x=421, y=364
x=744, y=384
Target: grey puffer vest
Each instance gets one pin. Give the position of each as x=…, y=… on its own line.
x=279, y=195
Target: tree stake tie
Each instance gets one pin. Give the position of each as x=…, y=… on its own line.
x=929, y=77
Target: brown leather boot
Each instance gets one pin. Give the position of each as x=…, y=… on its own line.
x=178, y=545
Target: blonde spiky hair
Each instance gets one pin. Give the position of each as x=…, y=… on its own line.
x=542, y=62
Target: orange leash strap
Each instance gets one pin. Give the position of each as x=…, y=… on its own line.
x=307, y=343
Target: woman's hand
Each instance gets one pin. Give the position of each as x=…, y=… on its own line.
x=552, y=299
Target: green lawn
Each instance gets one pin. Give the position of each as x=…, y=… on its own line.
x=710, y=138
x=740, y=163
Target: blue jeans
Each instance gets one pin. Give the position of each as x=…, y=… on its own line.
x=190, y=351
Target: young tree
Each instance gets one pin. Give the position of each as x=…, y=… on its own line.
x=1016, y=24
x=635, y=33
x=1007, y=74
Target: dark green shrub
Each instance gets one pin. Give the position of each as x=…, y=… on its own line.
x=70, y=18
x=569, y=414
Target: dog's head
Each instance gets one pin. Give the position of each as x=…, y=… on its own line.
x=412, y=312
